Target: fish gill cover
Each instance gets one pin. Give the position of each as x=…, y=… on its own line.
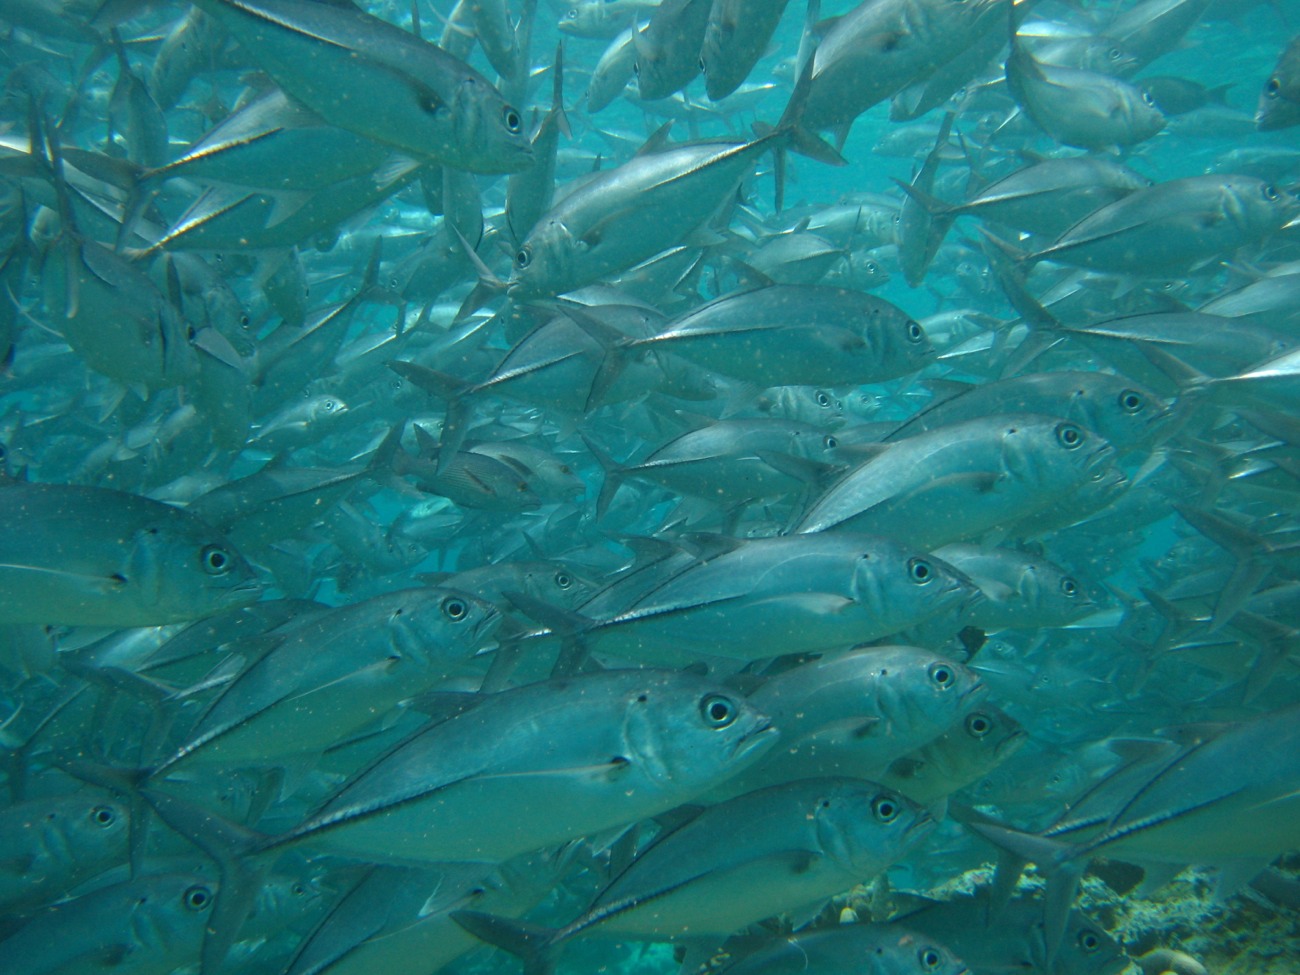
x=605, y=486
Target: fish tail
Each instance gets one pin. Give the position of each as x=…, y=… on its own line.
x=446, y=387
x=931, y=204
x=557, y=93
x=1059, y=860
x=791, y=134
x=488, y=287
x=233, y=848
x=535, y=944
x=388, y=462
x=615, y=474
x=1245, y=547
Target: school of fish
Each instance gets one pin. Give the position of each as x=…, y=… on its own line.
x=715, y=487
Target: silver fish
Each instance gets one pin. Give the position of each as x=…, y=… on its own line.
x=954, y=483
x=802, y=843
x=83, y=556
x=52, y=844
x=764, y=597
x=735, y=36
x=335, y=673
x=854, y=714
x=668, y=50
x=1082, y=108
x=867, y=949
x=363, y=74
x=1279, y=102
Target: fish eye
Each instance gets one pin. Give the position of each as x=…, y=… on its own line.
x=1089, y=941
x=523, y=258
x=636, y=68
x=718, y=711
x=245, y=321
x=197, y=898
x=978, y=724
x=703, y=68
x=215, y=560
x=921, y=571
x=513, y=122
x=1115, y=54
x=942, y=676
x=829, y=442
x=884, y=808
x=1068, y=435
x=914, y=332
x=104, y=816
x=573, y=13
x=329, y=406
x=1146, y=97
x=1270, y=192
x=1131, y=401
x=822, y=399
x=1069, y=587
x=563, y=580
x=1273, y=88
x=455, y=608
x=929, y=958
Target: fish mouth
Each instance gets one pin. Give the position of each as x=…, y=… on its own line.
x=1011, y=744
x=753, y=738
x=924, y=823
x=1104, y=454
x=975, y=692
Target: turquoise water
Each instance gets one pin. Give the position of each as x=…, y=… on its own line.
x=273, y=724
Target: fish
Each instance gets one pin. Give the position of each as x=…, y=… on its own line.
x=363, y=74
x=735, y=37
x=812, y=335
x=1279, y=102
x=1126, y=413
x=855, y=714
x=651, y=758
x=52, y=844
x=401, y=916
x=1177, y=225
x=667, y=50
x=1019, y=590
x=953, y=483
x=155, y=921
x=876, y=49
x=1047, y=197
x=734, y=460
x=802, y=840
x=768, y=595
x=217, y=221
x=1014, y=940
x=597, y=229
x=658, y=728
x=871, y=949
x=1218, y=798
x=272, y=143
x=333, y=674
x=962, y=755
x=602, y=18
x=1082, y=108
x=85, y=556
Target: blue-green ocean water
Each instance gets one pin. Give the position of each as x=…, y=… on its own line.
x=91, y=713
